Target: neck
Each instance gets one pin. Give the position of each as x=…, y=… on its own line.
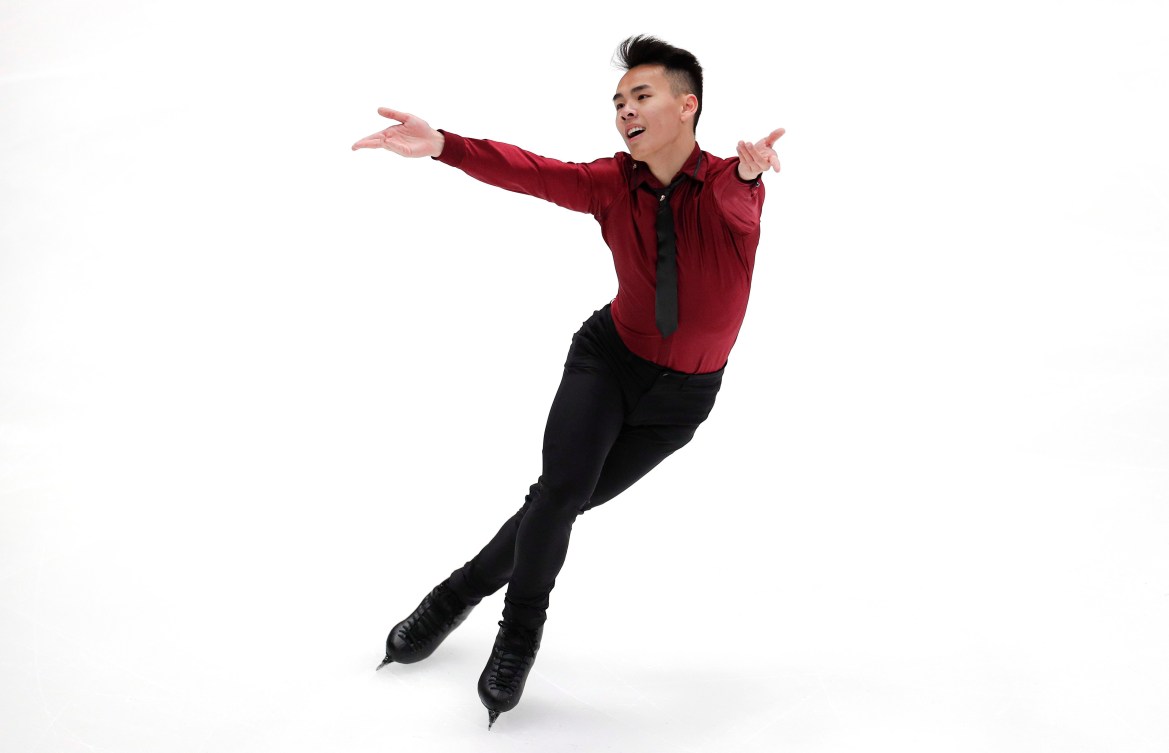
x=666, y=164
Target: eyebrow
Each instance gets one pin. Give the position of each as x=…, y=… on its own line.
x=634, y=90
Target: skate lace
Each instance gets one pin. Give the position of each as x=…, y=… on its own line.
x=517, y=649
x=439, y=613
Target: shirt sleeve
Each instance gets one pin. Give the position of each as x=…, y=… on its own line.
x=581, y=187
x=739, y=201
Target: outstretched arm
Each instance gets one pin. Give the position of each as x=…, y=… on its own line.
x=412, y=137
x=739, y=193
x=580, y=187
x=755, y=159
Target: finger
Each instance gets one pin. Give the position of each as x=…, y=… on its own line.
x=749, y=164
x=395, y=114
x=369, y=143
x=774, y=136
x=766, y=154
x=770, y=160
x=376, y=138
x=759, y=160
x=745, y=157
x=381, y=139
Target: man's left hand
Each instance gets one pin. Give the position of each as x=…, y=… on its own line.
x=755, y=159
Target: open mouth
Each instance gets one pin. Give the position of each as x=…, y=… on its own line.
x=634, y=132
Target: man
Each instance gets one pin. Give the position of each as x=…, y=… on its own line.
x=643, y=372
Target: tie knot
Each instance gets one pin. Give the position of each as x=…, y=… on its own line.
x=664, y=193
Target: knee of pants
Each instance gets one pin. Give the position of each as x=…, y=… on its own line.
x=561, y=499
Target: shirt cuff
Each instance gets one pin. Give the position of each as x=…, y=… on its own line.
x=454, y=148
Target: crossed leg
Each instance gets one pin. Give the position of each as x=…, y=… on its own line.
x=591, y=455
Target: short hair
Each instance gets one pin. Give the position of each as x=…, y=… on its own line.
x=682, y=68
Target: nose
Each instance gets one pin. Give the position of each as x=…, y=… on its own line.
x=628, y=112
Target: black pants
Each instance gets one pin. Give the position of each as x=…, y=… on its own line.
x=614, y=418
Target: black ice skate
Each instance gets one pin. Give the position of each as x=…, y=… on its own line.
x=416, y=637
x=502, y=681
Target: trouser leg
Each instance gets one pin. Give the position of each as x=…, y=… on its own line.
x=614, y=419
x=637, y=451
x=584, y=422
x=490, y=569
x=585, y=418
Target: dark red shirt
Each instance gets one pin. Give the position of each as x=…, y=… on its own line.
x=716, y=220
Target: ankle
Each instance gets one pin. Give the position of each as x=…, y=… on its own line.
x=456, y=594
x=522, y=616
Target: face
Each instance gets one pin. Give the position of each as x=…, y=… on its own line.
x=644, y=100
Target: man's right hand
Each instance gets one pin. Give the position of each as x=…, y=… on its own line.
x=412, y=137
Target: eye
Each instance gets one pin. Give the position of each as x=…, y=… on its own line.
x=642, y=96
x=620, y=105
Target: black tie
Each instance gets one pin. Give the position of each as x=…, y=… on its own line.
x=666, y=302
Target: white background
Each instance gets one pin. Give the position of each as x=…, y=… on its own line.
x=259, y=393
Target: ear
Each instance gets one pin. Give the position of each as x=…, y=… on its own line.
x=689, y=107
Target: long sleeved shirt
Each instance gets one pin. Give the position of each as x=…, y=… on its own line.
x=716, y=219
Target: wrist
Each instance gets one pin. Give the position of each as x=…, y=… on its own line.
x=453, y=149
x=753, y=179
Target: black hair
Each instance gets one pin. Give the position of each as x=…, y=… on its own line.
x=682, y=68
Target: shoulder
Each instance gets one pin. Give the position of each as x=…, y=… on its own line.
x=611, y=178
x=621, y=163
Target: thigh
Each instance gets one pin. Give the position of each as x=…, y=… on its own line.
x=663, y=421
x=636, y=452
x=583, y=423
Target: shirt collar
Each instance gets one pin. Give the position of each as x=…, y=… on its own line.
x=694, y=167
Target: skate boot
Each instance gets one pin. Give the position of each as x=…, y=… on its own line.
x=416, y=637
x=502, y=681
